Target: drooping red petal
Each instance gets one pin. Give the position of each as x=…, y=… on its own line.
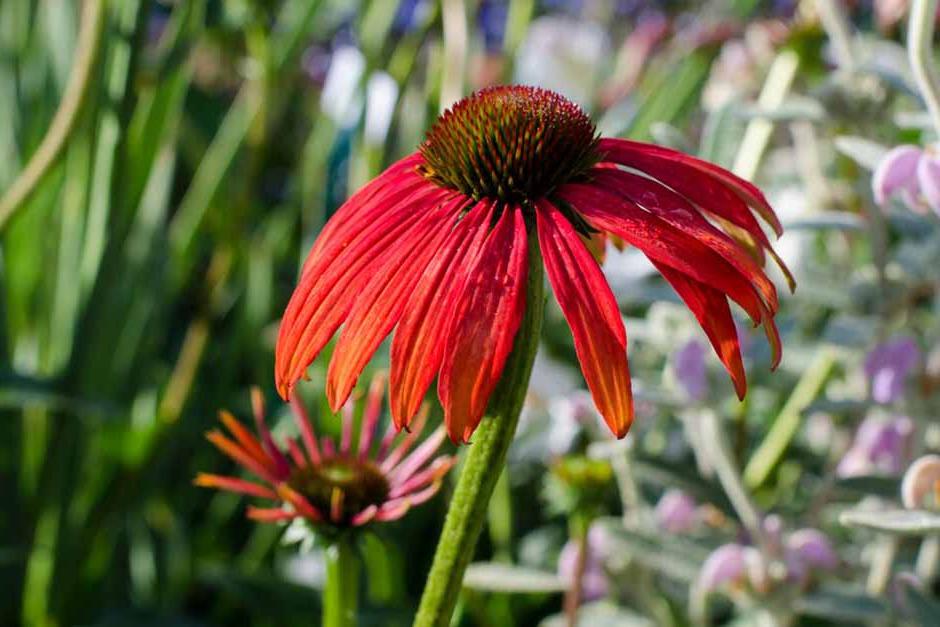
x=589, y=306
x=711, y=187
x=380, y=305
x=692, y=177
x=399, y=178
x=711, y=309
x=330, y=286
x=418, y=344
x=676, y=210
x=661, y=242
x=481, y=334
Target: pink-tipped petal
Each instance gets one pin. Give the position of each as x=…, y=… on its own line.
x=302, y=419
x=896, y=173
x=417, y=459
x=371, y=414
x=387, y=463
x=928, y=178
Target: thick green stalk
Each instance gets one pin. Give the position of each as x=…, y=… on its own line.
x=485, y=459
x=341, y=593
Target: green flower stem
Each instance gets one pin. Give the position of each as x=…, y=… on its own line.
x=920, y=50
x=485, y=459
x=341, y=593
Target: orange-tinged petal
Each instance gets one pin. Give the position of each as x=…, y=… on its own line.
x=380, y=305
x=232, y=484
x=418, y=344
x=481, y=334
x=591, y=311
x=711, y=309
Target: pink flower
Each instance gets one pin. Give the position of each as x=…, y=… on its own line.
x=911, y=173
x=676, y=512
x=881, y=446
x=888, y=366
x=594, y=579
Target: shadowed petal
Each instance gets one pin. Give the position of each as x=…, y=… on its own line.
x=330, y=286
x=589, y=306
x=481, y=334
x=418, y=344
x=380, y=305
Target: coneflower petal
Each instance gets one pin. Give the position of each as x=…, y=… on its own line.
x=711, y=309
x=418, y=343
x=327, y=291
x=692, y=177
x=676, y=210
x=270, y=514
x=232, y=484
x=380, y=305
x=482, y=331
x=661, y=242
x=399, y=178
x=589, y=306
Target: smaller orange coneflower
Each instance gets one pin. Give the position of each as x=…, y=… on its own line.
x=347, y=485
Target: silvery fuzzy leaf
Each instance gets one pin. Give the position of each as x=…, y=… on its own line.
x=793, y=108
x=601, y=614
x=900, y=521
x=828, y=221
x=842, y=605
x=861, y=150
x=507, y=578
x=678, y=557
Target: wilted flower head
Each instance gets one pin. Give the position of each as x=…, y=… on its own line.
x=688, y=365
x=920, y=488
x=881, y=446
x=912, y=174
x=676, y=512
x=439, y=245
x=888, y=366
x=594, y=581
x=346, y=486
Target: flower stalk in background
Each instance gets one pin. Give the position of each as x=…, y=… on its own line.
x=336, y=488
x=448, y=245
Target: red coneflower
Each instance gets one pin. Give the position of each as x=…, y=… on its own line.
x=438, y=245
x=349, y=485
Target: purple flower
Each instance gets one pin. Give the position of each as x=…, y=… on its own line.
x=676, y=512
x=881, y=446
x=688, y=364
x=911, y=173
x=888, y=365
x=807, y=551
x=594, y=580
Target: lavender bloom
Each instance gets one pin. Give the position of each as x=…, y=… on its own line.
x=910, y=173
x=881, y=446
x=688, y=365
x=888, y=365
x=676, y=512
x=726, y=566
x=594, y=581
x=921, y=485
x=808, y=551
